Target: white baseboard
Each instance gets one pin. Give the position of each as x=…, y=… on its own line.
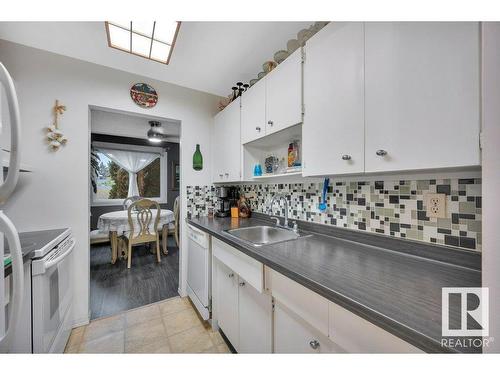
x=80, y=322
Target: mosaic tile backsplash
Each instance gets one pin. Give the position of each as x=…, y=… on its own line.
x=394, y=208
x=199, y=199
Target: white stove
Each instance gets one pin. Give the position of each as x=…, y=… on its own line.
x=42, y=242
x=52, y=287
x=52, y=293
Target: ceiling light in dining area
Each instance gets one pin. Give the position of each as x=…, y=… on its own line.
x=152, y=40
x=155, y=133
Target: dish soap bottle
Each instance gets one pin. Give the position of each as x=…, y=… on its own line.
x=244, y=207
x=197, y=159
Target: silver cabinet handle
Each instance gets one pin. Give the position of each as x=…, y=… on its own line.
x=346, y=157
x=230, y=275
x=257, y=128
x=220, y=175
x=226, y=174
x=270, y=122
x=381, y=152
x=314, y=344
x=242, y=284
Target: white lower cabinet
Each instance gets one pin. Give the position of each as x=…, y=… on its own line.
x=301, y=321
x=293, y=335
x=310, y=306
x=243, y=313
x=305, y=322
x=227, y=303
x=255, y=320
x=357, y=335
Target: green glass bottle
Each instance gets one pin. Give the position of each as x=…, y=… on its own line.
x=197, y=159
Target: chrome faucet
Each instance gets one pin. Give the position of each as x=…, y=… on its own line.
x=278, y=197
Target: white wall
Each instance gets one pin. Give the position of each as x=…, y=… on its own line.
x=124, y=125
x=491, y=175
x=57, y=194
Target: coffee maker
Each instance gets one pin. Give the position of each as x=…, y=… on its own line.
x=227, y=196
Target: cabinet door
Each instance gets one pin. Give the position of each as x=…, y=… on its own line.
x=253, y=112
x=333, y=130
x=291, y=335
x=217, y=147
x=226, y=161
x=284, y=94
x=421, y=95
x=232, y=143
x=227, y=303
x=255, y=320
x=356, y=335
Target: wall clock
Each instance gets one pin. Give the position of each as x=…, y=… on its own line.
x=144, y=95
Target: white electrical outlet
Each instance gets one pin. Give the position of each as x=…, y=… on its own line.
x=436, y=205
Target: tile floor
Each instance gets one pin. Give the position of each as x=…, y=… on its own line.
x=169, y=326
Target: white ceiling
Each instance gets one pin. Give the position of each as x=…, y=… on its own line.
x=208, y=56
x=132, y=125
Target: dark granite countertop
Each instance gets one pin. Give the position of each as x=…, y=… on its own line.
x=396, y=290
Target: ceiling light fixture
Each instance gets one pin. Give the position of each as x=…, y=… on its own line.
x=155, y=134
x=153, y=40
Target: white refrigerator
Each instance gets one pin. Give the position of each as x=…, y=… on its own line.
x=11, y=295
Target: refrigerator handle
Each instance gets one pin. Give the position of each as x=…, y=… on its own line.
x=10, y=182
x=10, y=232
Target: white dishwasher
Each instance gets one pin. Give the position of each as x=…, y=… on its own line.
x=199, y=270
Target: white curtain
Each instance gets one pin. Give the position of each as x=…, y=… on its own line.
x=132, y=162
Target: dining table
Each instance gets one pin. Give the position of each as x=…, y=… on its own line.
x=116, y=224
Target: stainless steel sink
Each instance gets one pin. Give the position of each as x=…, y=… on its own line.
x=264, y=235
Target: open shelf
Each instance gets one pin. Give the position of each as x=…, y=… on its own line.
x=277, y=140
x=255, y=152
x=271, y=175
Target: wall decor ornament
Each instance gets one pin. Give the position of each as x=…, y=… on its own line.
x=144, y=95
x=55, y=137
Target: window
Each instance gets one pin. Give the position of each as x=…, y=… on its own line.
x=113, y=176
x=151, y=40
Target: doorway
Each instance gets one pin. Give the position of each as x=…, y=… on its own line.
x=118, y=138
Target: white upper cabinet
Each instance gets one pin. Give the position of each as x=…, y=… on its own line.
x=275, y=102
x=284, y=94
x=226, y=155
x=253, y=112
x=422, y=104
x=333, y=129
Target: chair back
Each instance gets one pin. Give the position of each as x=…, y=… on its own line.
x=145, y=227
x=129, y=200
x=176, y=209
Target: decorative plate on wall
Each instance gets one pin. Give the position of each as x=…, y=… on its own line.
x=144, y=95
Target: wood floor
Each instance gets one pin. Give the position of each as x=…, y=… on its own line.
x=114, y=288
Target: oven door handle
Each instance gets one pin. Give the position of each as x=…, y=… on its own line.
x=10, y=232
x=10, y=181
x=58, y=259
